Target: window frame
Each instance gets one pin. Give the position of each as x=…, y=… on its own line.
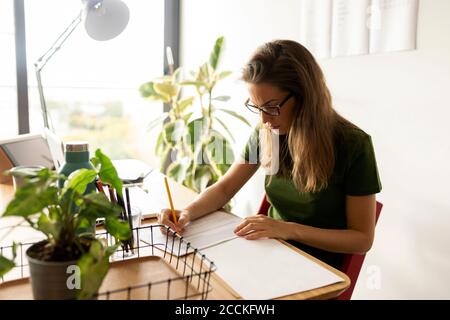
x=171, y=38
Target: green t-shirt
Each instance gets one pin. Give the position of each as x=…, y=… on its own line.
x=355, y=174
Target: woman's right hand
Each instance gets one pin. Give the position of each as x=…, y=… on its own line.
x=166, y=218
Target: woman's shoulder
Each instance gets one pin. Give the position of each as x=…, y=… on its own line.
x=351, y=138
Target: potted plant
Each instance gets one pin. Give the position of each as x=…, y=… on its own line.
x=194, y=151
x=70, y=262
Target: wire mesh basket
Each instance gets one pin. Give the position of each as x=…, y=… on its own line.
x=154, y=265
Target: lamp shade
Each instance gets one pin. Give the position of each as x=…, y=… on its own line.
x=104, y=20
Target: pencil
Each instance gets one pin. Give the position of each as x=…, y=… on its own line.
x=170, y=200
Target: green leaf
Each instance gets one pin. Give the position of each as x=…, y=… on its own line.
x=187, y=116
x=225, y=127
x=165, y=159
x=195, y=132
x=48, y=227
x=220, y=149
x=173, y=131
x=194, y=83
x=178, y=169
x=159, y=144
x=79, y=180
x=5, y=265
x=93, y=266
x=147, y=90
x=177, y=74
x=166, y=90
x=28, y=172
x=204, y=72
x=184, y=104
x=118, y=229
x=203, y=177
x=108, y=173
x=95, y=206
x=31, y=199
x=223, y=75
x=236, y=115
x=215, y=54
x=221, y=98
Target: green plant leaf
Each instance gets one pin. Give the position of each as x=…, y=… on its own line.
x=173, y=131
x=31, y=199
x=93, y=266
x=203, y=177
x=167, y=90
x=187, y=116
x=214, y=57
x=223, y=75
x=108, y=173
x=5, y=265
x=194, y=83
x=225, y=127
x=95, y=206
x=195, y=132
x=178, y=169
x=147, y=90
x=204, y=73
x=220, y=149
x=165, y=78
x=177, y=75
x=221, y=98
x=235, y=114
x=48, y=227
x=165, y=158
x=118, y=229
x=159, y=144
x=79, y=180
x=184, y=104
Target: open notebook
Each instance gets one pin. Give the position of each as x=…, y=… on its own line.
x=256, y=269
x=202, y=233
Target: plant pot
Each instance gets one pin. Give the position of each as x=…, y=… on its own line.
x=49, y=278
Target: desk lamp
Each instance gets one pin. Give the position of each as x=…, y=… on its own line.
x=103, y=20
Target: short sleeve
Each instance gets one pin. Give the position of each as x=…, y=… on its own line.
x=250, y=153
x=362, y=176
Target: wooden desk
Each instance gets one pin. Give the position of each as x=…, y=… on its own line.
x=155, y=185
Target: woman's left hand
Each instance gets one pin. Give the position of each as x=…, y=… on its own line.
x=261, y=226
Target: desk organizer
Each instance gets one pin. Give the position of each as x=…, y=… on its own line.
x=147, y=270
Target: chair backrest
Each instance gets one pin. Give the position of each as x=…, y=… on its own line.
x=352, y=263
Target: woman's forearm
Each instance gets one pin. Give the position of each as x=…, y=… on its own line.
x=334, y=240
x=211, y=199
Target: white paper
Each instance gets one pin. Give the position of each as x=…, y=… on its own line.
x=207, y=231
x=315, y=27
x=350, y=33
x=147, y=204
x=267, y=269
x=393, y=25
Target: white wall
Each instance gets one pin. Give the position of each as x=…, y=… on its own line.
x=402, y=99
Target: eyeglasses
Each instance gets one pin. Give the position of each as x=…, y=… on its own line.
x=270, y=110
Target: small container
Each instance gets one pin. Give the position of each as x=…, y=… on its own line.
x=76, y=157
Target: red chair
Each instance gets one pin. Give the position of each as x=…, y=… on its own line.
x=352, y=263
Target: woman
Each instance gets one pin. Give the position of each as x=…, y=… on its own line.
x=323, y=194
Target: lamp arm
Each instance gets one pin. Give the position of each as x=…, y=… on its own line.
x=42, y=61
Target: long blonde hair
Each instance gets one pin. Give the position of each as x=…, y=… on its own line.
x=291, y=67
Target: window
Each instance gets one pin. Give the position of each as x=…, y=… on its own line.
x=8, y=94
x=91, y=87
